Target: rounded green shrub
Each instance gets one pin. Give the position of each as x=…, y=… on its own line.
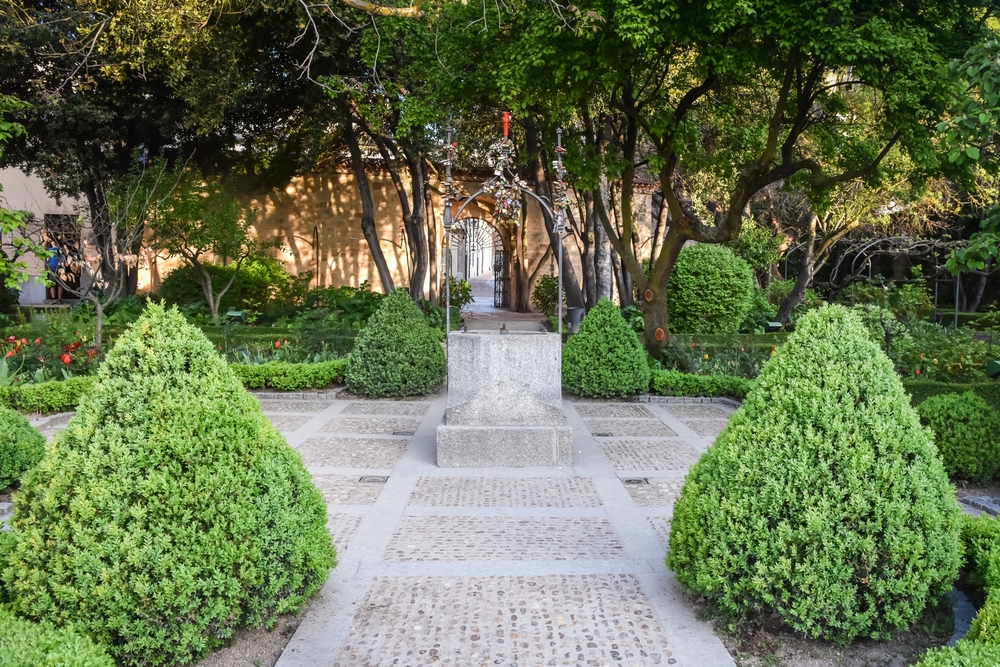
x=261, y=279
x=605, y=357
x=966, y=653
x=397, y=353
x=27, y=644
x=21, y=446
x=823, y=500
x=710, y=290
x=170, y=512
x=967, y=434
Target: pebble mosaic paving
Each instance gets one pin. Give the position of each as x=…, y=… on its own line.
x=370, y=425
x=659, y=492
x=505, y=492
x=672, y=454
x=461, y=538
x=706, y=427
x=288, y=423
x=378, y=453
x=613, y=410
x=687, y=411
x=646, y=428
x=347, y=489
x=342, y=528
x=299, y=406
x=385, y=408
x=506, y=620
x=661, y=525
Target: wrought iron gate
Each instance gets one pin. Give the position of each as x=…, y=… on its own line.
x=501, y=281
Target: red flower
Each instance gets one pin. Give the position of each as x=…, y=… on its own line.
x=24, y=341
x=692, y=344
x=66, y=359
x=917, y=371
x=10, y=339
x=10, y=353
x=277, y=344
x=38, y=341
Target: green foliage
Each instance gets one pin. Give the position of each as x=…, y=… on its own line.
x=974, y=122
x=545, y=296
x=966, y=653
x=21, y=446
x=966, y=432
x=350, y=307
x=291, y=377
x=935, y=352
x=27, y=644
x=605, y=357
x=906, y=301
x=677, y=383
x=761, y=312
x=840, y=521
x=758, y=245
x=261, y=280
x=47, y=397
x=981, y=536
x=983, y=247
x=397, y=354
x=710, y=290
x=170, y=512
x=461, y=292
x=921, y=390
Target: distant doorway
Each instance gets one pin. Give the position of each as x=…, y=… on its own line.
x=477, y=253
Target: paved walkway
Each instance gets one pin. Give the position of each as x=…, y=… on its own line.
x=501, y=566
x=482, y=315
x=520, y=567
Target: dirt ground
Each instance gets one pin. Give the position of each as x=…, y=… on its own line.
x=256, y=647
x=768, y=643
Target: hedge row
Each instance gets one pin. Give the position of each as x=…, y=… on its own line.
x=47, y=397
x=290, y=377
x=64, y=395
x=981, y=646
x=676, y=383
x=921, y=390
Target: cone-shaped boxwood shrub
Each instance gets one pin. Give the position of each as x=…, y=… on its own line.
x=823, y=499
x=966, y=432
x=710, y=290
x=170, y=511
x=966, y=653
x=21, y=446
x=27, y=644
x=397, y=353
x=605, y=357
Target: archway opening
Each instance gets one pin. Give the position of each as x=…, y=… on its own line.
x=478, y=256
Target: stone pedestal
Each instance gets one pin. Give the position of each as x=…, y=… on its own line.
x=504, y=402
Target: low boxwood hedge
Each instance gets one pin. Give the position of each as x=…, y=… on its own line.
x=47, y=397
x=966, y=653
x=291, y=377
x=27, y=644
x=921, y=390
x=966, y=433
x=676, y=383
x=21, y=446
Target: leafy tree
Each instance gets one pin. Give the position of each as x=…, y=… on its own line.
x=202, y=220
x=13, y=270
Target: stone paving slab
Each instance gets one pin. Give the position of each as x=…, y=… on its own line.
x=675, y=454
x=386, y=426
x=505, y=492
x=49, y=426
x=706, y=427
x=659, y=492
x=458, y=538
x=385, y=408
x=347, y=490
x=379, y=453
x=300, y=406
x=342, y=528
x=613, y=410
x=506, y=620
x=617, y=428
x=688, y=411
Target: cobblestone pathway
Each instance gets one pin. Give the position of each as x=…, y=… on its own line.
x=519, y=567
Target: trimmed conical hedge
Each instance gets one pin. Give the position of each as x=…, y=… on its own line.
x=21, y=446
x=397, y=353
x=823, y=499
x=170, y=511
x=605, y=357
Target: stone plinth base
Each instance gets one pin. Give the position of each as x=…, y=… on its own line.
x=460, y=446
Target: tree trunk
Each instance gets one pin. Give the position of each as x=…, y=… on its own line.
x=624, y=288
x=588, y=262
x=977, y=296
x=415, y=232
x=806, y=272
x=432, y=248
x=655, y=314
x=602, y=263
x=364, y=190
x=571, y=284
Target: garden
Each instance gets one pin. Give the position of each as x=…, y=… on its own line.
x=787, y=206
